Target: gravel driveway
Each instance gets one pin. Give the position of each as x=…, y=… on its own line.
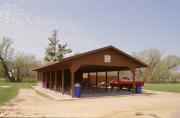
x=152, y=104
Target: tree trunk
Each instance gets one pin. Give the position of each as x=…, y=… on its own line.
x=11, y=78
x=18, y=75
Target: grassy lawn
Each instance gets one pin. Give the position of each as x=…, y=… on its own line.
x=8, y=93
x=163, y=87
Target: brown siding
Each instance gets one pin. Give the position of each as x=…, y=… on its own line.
x=98, y=59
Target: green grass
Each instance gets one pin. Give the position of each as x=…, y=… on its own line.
x=170, y=87
x=8, y=93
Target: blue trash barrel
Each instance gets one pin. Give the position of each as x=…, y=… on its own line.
x=138, y=89
x=77, y=90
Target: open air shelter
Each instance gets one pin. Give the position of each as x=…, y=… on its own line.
x=63, y=74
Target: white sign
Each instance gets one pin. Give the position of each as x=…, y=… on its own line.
x=107, y=58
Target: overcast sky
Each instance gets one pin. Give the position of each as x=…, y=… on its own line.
x=130, y=25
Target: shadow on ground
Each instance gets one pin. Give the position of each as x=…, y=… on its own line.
x=152, y=115
x=111, y=93
x=104, y=93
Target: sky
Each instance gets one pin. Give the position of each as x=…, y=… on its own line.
x=130, y=25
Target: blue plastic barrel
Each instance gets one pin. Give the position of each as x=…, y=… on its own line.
x=77, y=90
x=138, y=89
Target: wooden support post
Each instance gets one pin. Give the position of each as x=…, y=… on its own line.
x=96, y=79
x=134, y=74
x=62, y=78
x=40, y=76
x=106, y=80
x=47, y=82
x=45, y=78
x=55, y=80
x=88, y=82
x=72, y=84
x=118, y=80
x=50, y=80
x=42, y=79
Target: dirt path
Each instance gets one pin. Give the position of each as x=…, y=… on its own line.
x=156, y=105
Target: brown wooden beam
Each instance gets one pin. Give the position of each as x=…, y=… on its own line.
x=50, y=80
x=118, y=80
x=40, y=76
x=72, y=84
x=96, y=79
x=46, y=79
x=88, y=81
x=55, y=80
x=62, y=86
x=134, y=74
x=43, y=79
x=106, y=81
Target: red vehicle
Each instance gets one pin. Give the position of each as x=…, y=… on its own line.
x=124, y=82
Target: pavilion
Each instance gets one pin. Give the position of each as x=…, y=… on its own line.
x=63, y=74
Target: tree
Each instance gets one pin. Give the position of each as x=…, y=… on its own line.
x=152, y=57
x=55, y=50
x=19, y=65
x=159, y=67
x=24, y=64
x=6, y=52
x=167, y=66
x=62, y=51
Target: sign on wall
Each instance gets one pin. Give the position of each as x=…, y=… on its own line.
x=107, y=58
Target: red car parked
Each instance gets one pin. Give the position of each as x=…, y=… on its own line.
x=124, y=82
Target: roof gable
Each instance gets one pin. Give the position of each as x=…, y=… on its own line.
x=96, y=51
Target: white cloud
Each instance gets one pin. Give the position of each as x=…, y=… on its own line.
x=29, y=32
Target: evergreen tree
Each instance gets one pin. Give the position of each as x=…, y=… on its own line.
x=55, y=50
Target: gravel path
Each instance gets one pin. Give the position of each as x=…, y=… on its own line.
x=150, y=105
